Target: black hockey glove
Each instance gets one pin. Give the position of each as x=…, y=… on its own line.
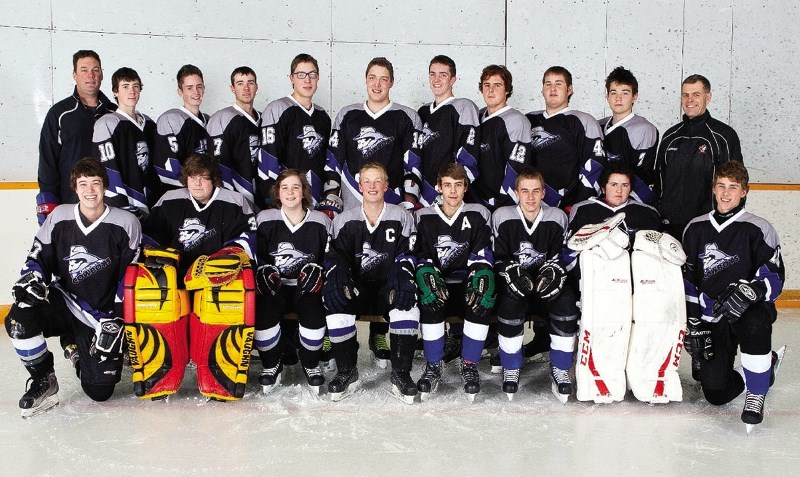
x=480, y=292
x=517, y=279
x=107, y=340
x=310, y=279
x=268, y=280
x=698, y=339
x=30, y=290
x=400, y=290
x=551, y=280
x=736, y=299
x=339, y=290
x=432, y=288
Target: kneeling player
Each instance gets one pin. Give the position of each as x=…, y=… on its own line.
x=71, y=283
x=370, y=270
x=733, y=274
x=453, y=248
x=291, y=243
x=528, y=240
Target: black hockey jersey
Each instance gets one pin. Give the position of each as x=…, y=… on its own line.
x=454, y=244
x=638, y=216
x=368, y=251
x=123, y=145
x=528, y=244
x=179, y=134
x=505, y=150
x=234, y=142
x=568, y=151
x=293, y=137
x=86, y=264
x=289, y=247
x=743, y=247
x=178, y=221
x=391, y=137
x=450, y=133
x=633, y=140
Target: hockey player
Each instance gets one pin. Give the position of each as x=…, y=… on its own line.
x=71, y=283
x=181, y=132
x=528, y=240
x=295, y=133
x=67, y=133
x=568, y=144
x=370, y=270
x=291, y=244
x=234, y=135
x=629, y=138
x=450, y=129
x=733, y=274
x=455, y=266
x=122, y=143
x=505, y=141
x=688, y=154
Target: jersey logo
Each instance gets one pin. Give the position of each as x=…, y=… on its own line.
x=612, y=157
x=253, y=140
x=83, y=264
x=369, y=141
x=528, y=256
x=485, y=147
x=541, y=139
x=192, y=233
x=202, y=146
x=428, y=135
x=142, y=155
x=702, y=148
x=715, y=260
x=370, y=259
x=312, y=140
x=448, y=250
x=289, y=260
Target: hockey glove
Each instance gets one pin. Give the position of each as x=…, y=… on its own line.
x=216, y=270
x=551, y=280
x=480, y=292
x=339, y=290
x=107, y=340
x=401, y=291
x=156, y=257
x=331, y=205
x=517, y=279
x=46, y=202
x=268, y=280
x=432, y=289
x=736, y=299
x=698, y=339
x=30, y=290
x=310, y=279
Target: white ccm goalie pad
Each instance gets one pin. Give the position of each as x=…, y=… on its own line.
x=659, y=318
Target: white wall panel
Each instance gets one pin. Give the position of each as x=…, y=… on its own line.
x=28, y=13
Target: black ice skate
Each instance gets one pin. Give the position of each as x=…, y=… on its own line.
x=753, y=412
x=471, y=378
x=429, y=380
x=71, y=353
x=403, y=387
x=560, y=384
x=40, y=396
x=343, y=384
x=510, y=382
x=270, y=377
x=315, y=378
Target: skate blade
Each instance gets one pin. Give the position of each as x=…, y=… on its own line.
x=402, y=397
x=471, y=396
x=328, y=366
x=355, y=386
x=381, y=363
x=781, y=352
x=749, y=428
x=497, y=369
x=510, y=396
x=314, y=390
x=268, y=388
x=561, y=397
x=425, y=396
x=48, y=403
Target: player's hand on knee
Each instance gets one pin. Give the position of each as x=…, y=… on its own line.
x=268, y=280
x=310, y=279
x=550, y=280
x=107, y=340
x=338, y=290
x=480, y=296
x=401, y=291
x=518, y=280
x=30, y=290
x=432, y=289
x=736, y=299
x=698, y=342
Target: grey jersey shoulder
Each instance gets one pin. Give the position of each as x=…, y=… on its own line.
x=554, y=214
x=504, y=214
x=467, y=111
x=128, y=222
x=395, y=212
x=220, y=120
x=171, y=121
x=343, y=112
x=641, y=132
x=234, y=197
x=770, y=234
x=483, y=211
x=105, y=126
x=268, y=215
x=320, y=218
x=590, y=124
x=412, y=115
x=517, y=125
x=275, y=109
x=576, y=207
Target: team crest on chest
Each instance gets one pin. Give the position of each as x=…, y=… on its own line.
x=428, y=135
x=448, y=250
x=370, y=258
x=369, y=141
x=715, y=260
x=142, y=155
x=528, y=256
x=253, y=141
x=312, y=140
x=192, y=233
x=289, y=260
x=541, y=139
x=83, y=264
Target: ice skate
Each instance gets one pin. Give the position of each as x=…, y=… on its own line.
x=403, y=387
x=777, y=359
x=315, y=378
x=472, y=380
x=71, y=353
x=560, y=384
x=429, y=380
x=326, y=361
x=41, y=395
x=753, y=412
x=270, y=377
x=510, y=382
x=497, y=367
x=380, y=349
x=344, y=384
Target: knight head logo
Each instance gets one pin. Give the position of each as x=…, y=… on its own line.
x=540, y=138
x=312, y=140
x=448, y=250
x=528, y=256
x=288, y=259
x=142, y=155
x=715, y=260
x=702, y=148
x=190, y=232
x=368, y=141
x=253, y=140
x=370, y=258
x=82, y=264
x=428, y=135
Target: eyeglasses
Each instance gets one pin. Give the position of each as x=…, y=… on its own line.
x=303, y=74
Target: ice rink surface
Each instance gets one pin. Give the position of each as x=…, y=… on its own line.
x=292, y=432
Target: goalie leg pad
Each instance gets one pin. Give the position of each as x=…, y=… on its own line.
x=156, y=329
x=222, y=330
